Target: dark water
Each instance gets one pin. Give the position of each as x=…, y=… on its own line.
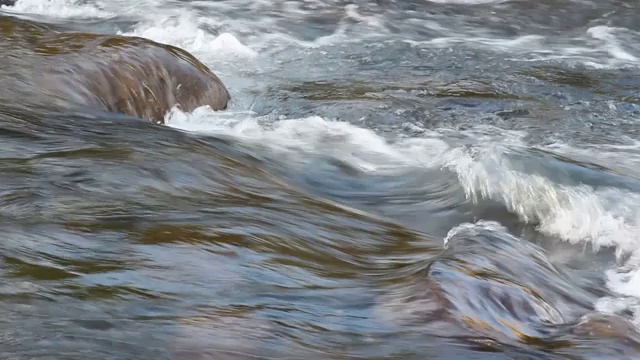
x=392, y=180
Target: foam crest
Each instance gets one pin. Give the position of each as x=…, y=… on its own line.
x=611, y=44
x=184, y=31
x=278, y=40
x=473, y=229
x=606, y=217
x=315, y=135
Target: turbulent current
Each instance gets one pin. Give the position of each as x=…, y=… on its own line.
x=444, y=179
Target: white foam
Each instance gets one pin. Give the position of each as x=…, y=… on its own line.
x=358, y=146
x=226, y=42
x=58, y=8
x=162, y=22
x=611, y=44
x=605, y=217
x=337, y=37
x=605, y=52
x=181, y=24
x=183, y=31
x=242, y=37
x=524, y=43
x=626, y=283
x=472, y=229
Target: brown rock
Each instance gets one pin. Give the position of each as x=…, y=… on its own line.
x=129, y=75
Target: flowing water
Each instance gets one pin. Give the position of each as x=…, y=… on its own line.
x=393, y=179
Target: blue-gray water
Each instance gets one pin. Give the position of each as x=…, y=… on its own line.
x=392, y=180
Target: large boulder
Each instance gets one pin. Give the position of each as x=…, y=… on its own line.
x=129, y=75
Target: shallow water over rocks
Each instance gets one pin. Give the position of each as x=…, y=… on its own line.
x=392, y=179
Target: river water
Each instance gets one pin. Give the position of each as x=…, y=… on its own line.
x=393, y=179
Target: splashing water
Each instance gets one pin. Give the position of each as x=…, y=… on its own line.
x=452, y=178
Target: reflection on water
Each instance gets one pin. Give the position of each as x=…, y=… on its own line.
x=394, y=180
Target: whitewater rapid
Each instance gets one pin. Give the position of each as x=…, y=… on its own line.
x=244, y=51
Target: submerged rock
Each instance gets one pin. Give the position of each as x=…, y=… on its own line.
x=498, y=291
